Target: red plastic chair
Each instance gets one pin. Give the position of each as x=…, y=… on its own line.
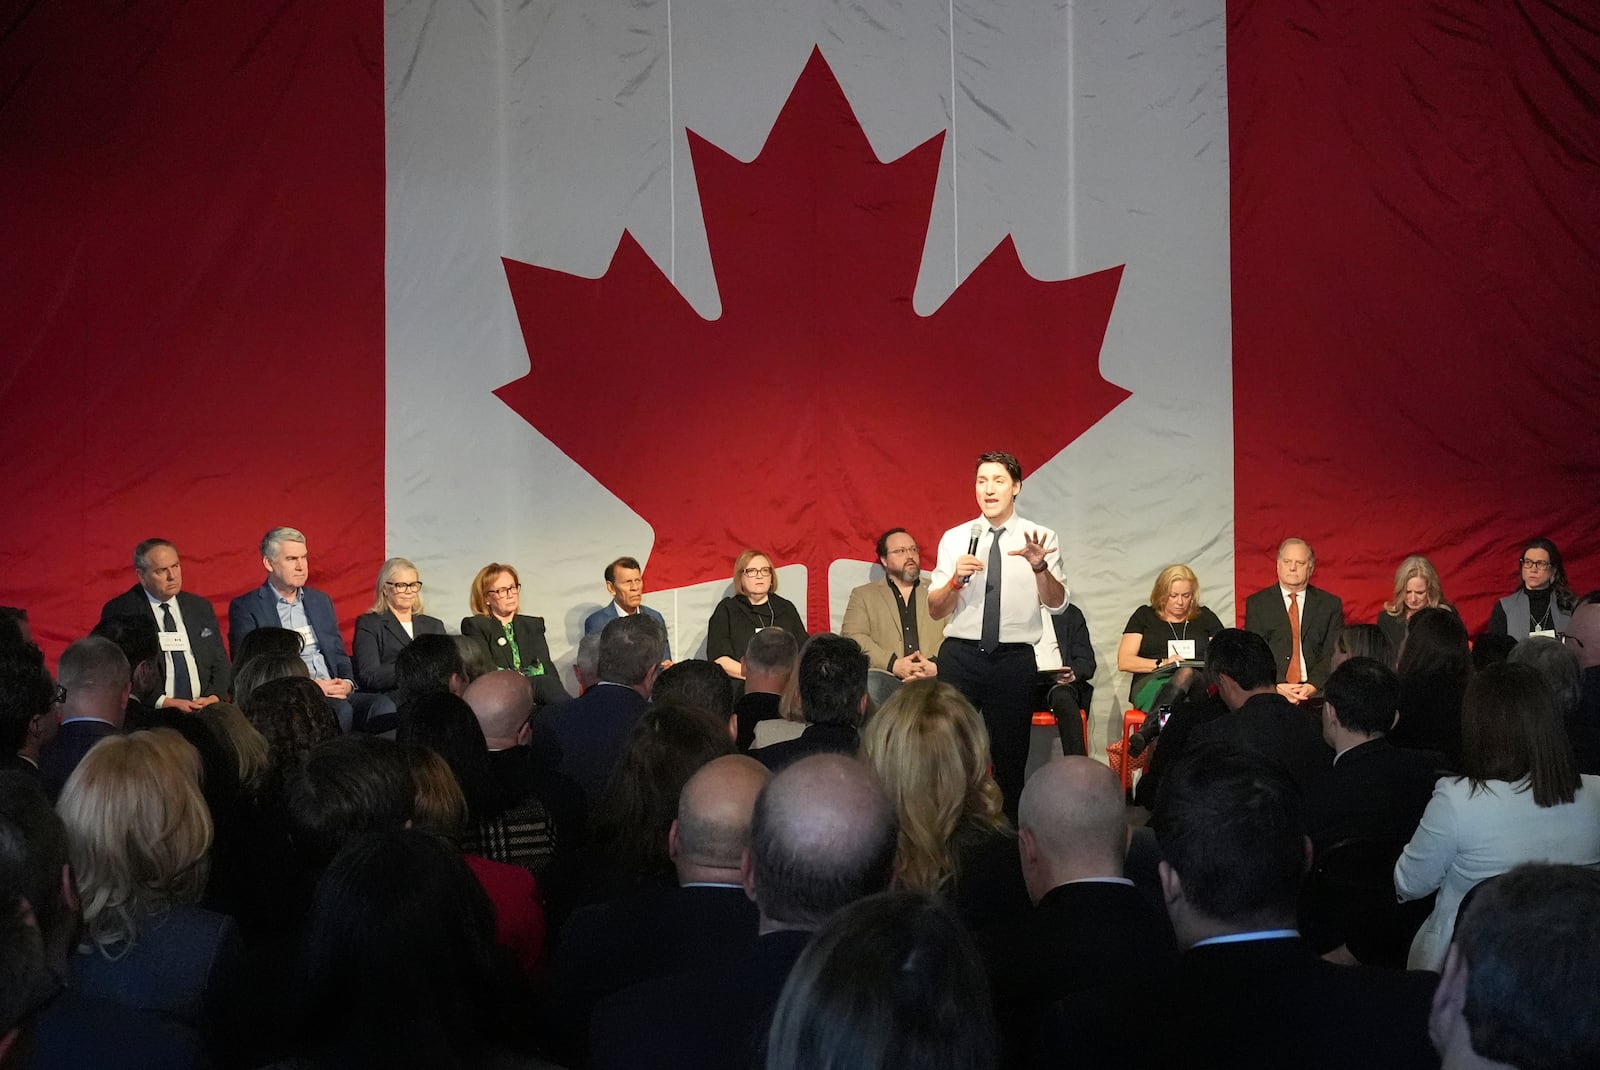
x=1046, y=719
x=1117, y=752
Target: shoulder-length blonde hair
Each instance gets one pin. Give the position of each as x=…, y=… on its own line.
x=478, y=596
x=1170, y=575
x=1412, y=567
x=739, y=566
x=137, y=832
x=931, y=750
x=385, y=574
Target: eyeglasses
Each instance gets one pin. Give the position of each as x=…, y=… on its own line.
x=904, y=550
x=757, y=573
x=61, y=694
x=504, y=592
x=1568, y=637
x=1537, y=566
x=407, y=588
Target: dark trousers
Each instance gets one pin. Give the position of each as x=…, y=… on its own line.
x=1000, y=685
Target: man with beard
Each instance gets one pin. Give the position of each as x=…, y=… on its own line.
x=890, y=620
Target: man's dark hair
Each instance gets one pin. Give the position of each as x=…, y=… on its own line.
x=346, y=786
x=1364, y=694
x=140, y=642
x=1230, y=824
x=1008, y=461
x=1436, y=646
x=33, y=848
x=26, y=692
x=1244, y=657
x=1490, y=648
x=13, y=625
x=1530, y=943
x=832, y=678
x=696, y=683
x=267, y=641
x=622, y=562
x=772, y=650
x=426, y=665
x=142, y=552
x=882, y=547
x=629, y=648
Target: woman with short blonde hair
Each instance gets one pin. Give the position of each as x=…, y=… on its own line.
x=1416, y=587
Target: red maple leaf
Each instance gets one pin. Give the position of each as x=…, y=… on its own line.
x=820, y=408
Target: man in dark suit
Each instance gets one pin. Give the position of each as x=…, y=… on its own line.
x=1247, y=993
x=584, y=737
x=1299, y=622
x=889, y=619
x=1090, y=926
x=822, y=836
x=625, y=584
x=833, y=698
x=502, y=701
x=197, y=668
x=1260, y=719
x=284, y=601
x=703, y=921
x=28, y=714
x=1065, y=649
x=97, y=681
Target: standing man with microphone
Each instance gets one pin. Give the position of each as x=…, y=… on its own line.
x=992, y=594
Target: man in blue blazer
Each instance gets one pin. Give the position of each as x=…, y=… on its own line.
x=625, y=582
x=284, y=601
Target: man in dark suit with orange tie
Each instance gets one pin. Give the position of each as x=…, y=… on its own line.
x=1299, y=622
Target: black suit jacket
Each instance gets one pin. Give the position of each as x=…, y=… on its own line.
x=1321, y=620
x=62, y=756
x=707, y=1020
x=583, y=738
x=205, y=636
x=1256, y=1004
x=529, y=632
x=816, y=739
x=1272, y=726
x=377, y=643
x=1374, y=791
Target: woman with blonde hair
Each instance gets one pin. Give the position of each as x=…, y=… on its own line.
x=1173, y=627
x=1416, y=587
x=138, y=833
x=395, y=619
x=931, y=750
x=513, y=639
x=754, y=604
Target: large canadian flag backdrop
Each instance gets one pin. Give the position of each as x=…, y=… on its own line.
x=551, y=282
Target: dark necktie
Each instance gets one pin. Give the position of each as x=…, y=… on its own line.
x=991, y=595
x=182, y=687
x=1295, y=675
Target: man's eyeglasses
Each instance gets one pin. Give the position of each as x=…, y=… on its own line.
x=407, y=588
x=61, y=694
x=504, y=592
x=1568, y=637
x=903, y=550
x=757, y=573
x=1537, y=566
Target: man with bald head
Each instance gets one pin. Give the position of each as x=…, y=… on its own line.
x=822, y=835
x=1089, y=926
x=704, y=921
x=502, y=701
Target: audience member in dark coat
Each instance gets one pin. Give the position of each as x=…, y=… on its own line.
x=1089, y=927
x=1434, y=668
x=1188, y=714
x=768, y=663
x=822, y=836
x=1260, y=719
x=1247, y=993
x=833, y=696
x=200, y=671
x=96, y=677
x=28, y=715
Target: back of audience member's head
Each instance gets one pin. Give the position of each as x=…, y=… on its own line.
x=247, y=746
x=476, y=660
x=712, y=829
x=1243, y=657
x=437, y=804
x=1511, y=729
x=429, y=663
x=630, y=650
x=292, y=716
x=96, y=676
x=833, y=680
x=26, y=692
x=1519, y=984
x=665, y=747
x=698, y=683
x=1435, y=648
x=891, y=981
x=586, y=661
x=930, y=750
x=261, y=641
x=14, y=626
x=28, y=980
x=33, y=857
x=1230, y=825
x=398, y=964
x=822, y=836
x=1490, y=648
x=346, y=786
x=264, y=668
x=772, y=652
x=1072, y=821
x=138, y=831
x=1557, y=665
x=446, y=724
x=140, y=642
x=1364, y=695
x=502, y=701
x=1362, y=641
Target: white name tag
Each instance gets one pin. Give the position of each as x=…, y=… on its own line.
x=1543, y=633
x=307, y=636
x=1181, y=648
x=174, y=640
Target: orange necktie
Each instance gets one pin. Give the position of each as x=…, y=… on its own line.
x=1295, y=675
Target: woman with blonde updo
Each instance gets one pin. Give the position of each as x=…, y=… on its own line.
x=931, y=750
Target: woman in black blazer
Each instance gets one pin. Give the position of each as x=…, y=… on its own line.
x=514, y=641
x=396, y=619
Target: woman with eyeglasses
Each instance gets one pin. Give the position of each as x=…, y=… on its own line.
x=515, y=641
x=1543, y=604
x=395, y=619
x=755, y=604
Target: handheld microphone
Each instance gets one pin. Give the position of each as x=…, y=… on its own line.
x=973, y=535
